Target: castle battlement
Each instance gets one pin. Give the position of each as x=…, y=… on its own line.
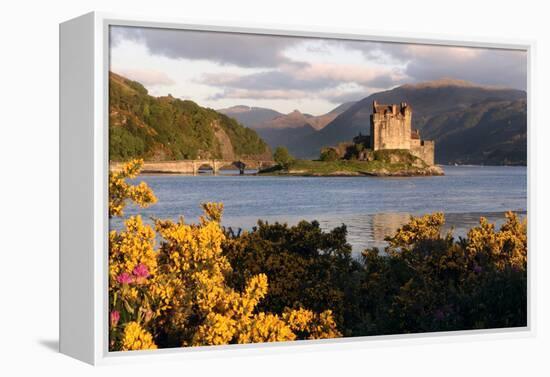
x=391, y=110
x=390, y=128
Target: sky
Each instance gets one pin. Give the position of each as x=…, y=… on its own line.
x=220, y=70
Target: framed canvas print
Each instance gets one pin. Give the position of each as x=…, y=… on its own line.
x=236, y=189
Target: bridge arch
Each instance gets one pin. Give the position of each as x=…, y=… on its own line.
x=204, y=165
x=240, y=165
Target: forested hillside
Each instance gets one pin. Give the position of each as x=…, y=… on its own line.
x=167, y=128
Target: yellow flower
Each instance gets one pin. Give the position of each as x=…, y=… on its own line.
x=132, y=247
x=136, y=338
x=120, y=191
x=181, y=286
x=507, y=247
x=266, y=328
x=298, y=320
x=418, y=229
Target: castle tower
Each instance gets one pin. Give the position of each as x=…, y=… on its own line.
x=390, y=126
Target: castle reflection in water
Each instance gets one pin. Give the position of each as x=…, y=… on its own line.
x=370, y=230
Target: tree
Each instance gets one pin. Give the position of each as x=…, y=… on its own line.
x=329, y=154
x=283, y=157
x=306, y=267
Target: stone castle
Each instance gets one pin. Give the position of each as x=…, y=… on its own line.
x=390, y=128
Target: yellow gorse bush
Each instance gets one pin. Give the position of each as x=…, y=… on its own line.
x=136, y=338
x=474, y=282
x=506, y=247
x=178, y=292
x=417, y=229
x=121, y=191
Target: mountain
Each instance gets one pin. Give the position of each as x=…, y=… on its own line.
x=282, y=129
x=294, y=119
x=250, y=116
x=489, y=132
x=284, y=136
x=260, y=118
x=319, y=122
x=428, y=100
x=167, y=128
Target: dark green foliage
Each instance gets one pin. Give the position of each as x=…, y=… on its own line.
x=423, y=282
x=329, y=154
x=305, y=266
x=166, y=128
x=429, y=282
x=125, y=145
x=390, y=156
x=399, y=299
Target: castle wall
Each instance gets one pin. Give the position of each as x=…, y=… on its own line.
x=391, y=130
x=425, y=151
x=415, y=143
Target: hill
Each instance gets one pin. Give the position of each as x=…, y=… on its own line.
x=263, y=118
x=319, y=122
x=297, y=119
x=282, y=129
x=250, y=116
x=490, y=132
x=167, y=128
x=285, y=136
x=429, y=100
x=293, y=119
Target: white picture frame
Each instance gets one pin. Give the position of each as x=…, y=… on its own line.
x=84, y=53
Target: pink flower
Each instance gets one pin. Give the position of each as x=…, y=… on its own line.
x=124, y=278
x=115, y=317
x=141, y=271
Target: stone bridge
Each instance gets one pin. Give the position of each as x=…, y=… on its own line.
x=193, y=166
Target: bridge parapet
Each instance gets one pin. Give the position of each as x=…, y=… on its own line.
x=193, y=166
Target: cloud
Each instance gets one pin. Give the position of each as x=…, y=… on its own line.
x=147, y=77
x=255, y=67
x=487, y=67
x=333, y=95
x=345, y=73
x=309, y=80
x=269, y=80
x=348, y=96
x=261, y=94
x=243, y=50
x=500, y=67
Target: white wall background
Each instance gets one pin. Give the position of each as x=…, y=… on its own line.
x=29, y=183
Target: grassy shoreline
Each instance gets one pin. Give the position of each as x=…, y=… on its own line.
x=349, y=168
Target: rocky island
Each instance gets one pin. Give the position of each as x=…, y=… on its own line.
x=389, y=163
x=393, y=148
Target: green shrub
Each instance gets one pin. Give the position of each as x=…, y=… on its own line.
x=282, y=157
x=329, y=154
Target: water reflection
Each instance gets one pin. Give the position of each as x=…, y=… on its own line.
x=370, y=230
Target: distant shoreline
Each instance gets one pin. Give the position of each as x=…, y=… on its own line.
x=114, y=165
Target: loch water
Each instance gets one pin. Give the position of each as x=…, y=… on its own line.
x=371, y=207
